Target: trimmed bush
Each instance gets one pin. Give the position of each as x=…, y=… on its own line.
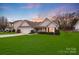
x=32, y=31
x=57, y=32
x=45, y=32
x=9, y=30
x=13, y=30
x=18, y=31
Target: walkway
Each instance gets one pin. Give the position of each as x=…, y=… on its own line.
x=11, y=35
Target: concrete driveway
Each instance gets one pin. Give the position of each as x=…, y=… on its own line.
x=11, y=35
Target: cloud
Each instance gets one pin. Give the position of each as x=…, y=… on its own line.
x=31, y=5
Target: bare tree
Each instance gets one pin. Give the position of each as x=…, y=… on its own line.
x=3, y=23
x=67, y=21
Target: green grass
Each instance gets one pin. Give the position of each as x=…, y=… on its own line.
x=1, y=33
x=41, y=44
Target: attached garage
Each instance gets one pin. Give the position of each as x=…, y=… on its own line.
x=25, y=30
x=24, y=27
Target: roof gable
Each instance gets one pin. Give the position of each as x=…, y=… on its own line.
x=53, y=24
x=24, y=23
x=45, y=22
x=77, y=24
x=16, y=24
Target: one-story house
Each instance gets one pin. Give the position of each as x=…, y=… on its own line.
x=76, y=26
x=9, y=26
x=47, y=26
x=26, y=26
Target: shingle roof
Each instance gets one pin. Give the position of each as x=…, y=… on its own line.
x=46, y=19
x=77, y=23
x=17, y=21
x=32, y=24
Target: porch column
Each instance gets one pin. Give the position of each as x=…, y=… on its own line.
x=45, y=29
x=42, y=29
x=48, y=29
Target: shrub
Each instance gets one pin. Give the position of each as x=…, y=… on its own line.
x=45, y=32
x=18, y=31
x=32, y=31
x=57, y=32
x=9, y=30
x=13, y=30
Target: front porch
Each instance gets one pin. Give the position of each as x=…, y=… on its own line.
x=44, y=29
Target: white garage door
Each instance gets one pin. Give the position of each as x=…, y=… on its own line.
x=26, y=30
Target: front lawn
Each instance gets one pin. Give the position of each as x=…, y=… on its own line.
x=41, y=44
x=1, y=33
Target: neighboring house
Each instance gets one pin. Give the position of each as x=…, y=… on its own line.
x=26, y=26
x=76, y=26
x=9, y=26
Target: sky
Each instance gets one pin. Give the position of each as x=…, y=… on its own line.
x=19, y=11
